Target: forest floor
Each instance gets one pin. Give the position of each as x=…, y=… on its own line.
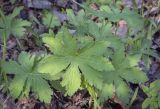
x=33, y=10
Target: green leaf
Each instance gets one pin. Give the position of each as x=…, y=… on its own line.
x=26, y=60
x=119, y=57
x=18, y=27
x=134, y=75
x=53, y=65
x=94, y=29
x=100, y=32
x=106, y=30
x=84, y=26
x=78, y=21
x=56, y=84
x=99, y=63
x=69, y=42
x=115, y=43
x=122, y=91
x=73, y=61
x=72, y=79
x=17, y=85
x=11, y=25
x=123, y=71
x=12, y=67
x=41, y=88
x=49, y=40
x=55, y=43
x=12, y=1
x=96, y=49
x=153, y=96
x=115, y=15
x=27, y=78
x=131, y=16
x=92, y=76
x=155, y=85
x=146, y=103
x=16, y=11
x=107, y=92
x=134, y=59
x=50, y=20
x=71, y=16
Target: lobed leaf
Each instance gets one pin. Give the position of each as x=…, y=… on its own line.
x=72, y=79
x=87, y=61
x=27, y=78
x=50, y=20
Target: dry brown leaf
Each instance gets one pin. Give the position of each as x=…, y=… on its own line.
x=122, y=29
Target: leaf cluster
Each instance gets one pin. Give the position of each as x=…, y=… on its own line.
x=153, y=97
x=27, y=78
x=9, y=24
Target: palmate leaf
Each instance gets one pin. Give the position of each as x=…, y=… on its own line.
x=11, y=25
x=114, y=14
x=78, y=21
x=100, y=32
x=75, y=62
x=107, y=92
x=125, y=69
x=83, y=25
x=18, y=27
x=27, y=78
x=72, y=72
x=50, y=20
